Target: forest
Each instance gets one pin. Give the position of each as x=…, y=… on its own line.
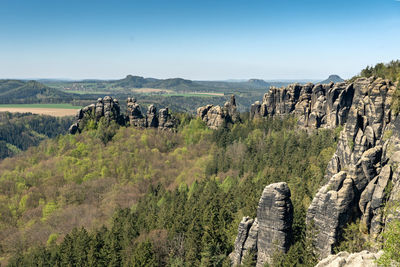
x=150, y=198
x=19, y=131
x=389, y=70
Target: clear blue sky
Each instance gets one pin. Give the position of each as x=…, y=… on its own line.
x=196, y=39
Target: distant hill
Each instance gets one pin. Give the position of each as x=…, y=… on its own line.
x=17, y=91
x=258, y=82
x=333, y=78
x=131, y=81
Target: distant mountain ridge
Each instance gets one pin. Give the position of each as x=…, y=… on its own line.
x=131, y=81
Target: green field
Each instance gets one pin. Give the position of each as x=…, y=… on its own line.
x=61, y=106
x=86, y=92
x=193, y=94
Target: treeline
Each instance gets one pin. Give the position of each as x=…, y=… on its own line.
x=182, y=195
x=389, y=70
x=20, y=131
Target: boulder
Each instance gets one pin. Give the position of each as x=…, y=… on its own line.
x=345, y=259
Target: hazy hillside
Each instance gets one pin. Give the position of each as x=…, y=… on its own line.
x=175, y=84
x=139, y=82
x=17, y=91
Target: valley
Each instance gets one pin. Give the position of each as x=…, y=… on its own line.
x=146, y=186
x=199, y=133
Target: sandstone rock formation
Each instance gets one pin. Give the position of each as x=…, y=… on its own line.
x=355, y=186
x=360, y=173
x=315, y=106
x=108, y=108
x=217, y=117
x=271, y=231
x=134, y=114
x=344, y=259
x=275, y=217
x=246, y=240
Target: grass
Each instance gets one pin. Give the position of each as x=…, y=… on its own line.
x=61, y=106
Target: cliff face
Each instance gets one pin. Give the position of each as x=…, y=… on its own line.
x=109, y=109
x=364, y=166
x=272, y=229
x=217, y=117
x=315, y=106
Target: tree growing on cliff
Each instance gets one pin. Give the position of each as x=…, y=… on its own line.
x=391, y=245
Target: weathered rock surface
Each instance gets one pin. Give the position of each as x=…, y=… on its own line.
x=109, y=109
x=345, y=259
x=330, y=210
x=217, y=117
x=271, y=231
x=246, y=240
x=275, y=217
x=134, y=113
x=358, y=158
x=361, y=170
x=315, y=106
x=165, y=120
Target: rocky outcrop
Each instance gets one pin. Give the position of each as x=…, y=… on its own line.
x=345, y=259
x=217, y=117
x=134, y=114
x=271, y=231
x=246, y=240
x=362, y=170
x=275, y=217
x=109, y=109
x=330, y=210
x=165, y=120
x=315, y=106
x=152, y=118
x=357, y=174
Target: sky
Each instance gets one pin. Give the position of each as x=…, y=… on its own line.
x=196, y=39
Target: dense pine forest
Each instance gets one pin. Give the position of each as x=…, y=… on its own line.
x=124, y=196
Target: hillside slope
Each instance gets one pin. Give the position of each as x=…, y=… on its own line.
x=17, y=91
x=176, y=185
x=21, y=131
